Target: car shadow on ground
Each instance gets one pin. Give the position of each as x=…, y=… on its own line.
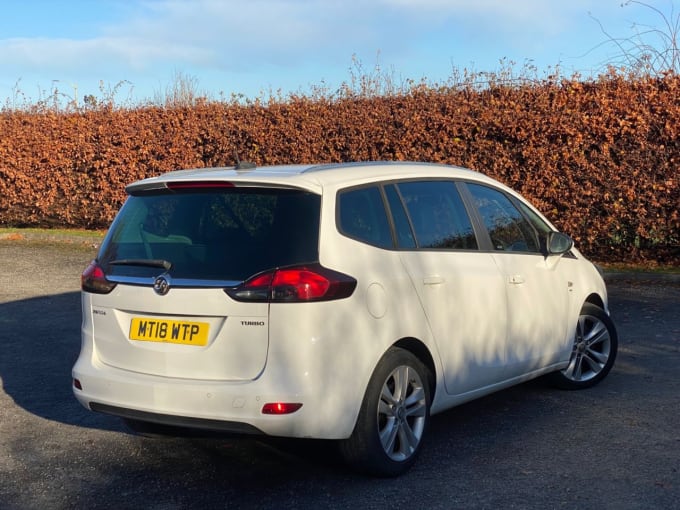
x=40, y=342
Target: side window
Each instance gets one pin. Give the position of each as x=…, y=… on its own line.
x=362, y=216
x=438, y=215
x=508, y=229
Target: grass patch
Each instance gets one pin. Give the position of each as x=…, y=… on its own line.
x=620, y=267
x=53, y=232
x=86, y=239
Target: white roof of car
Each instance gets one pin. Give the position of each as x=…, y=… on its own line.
x=313, y=177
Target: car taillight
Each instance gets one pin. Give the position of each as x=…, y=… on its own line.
x=94, y=280
x=295, y=284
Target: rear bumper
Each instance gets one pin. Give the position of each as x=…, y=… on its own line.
x=208, y=405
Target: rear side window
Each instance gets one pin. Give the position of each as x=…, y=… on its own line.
x=508, y=228
x=228, y=234
x=362, y=216
x=438, y=215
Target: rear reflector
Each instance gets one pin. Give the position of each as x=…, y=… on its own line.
x=280, y=408
x=77, y=385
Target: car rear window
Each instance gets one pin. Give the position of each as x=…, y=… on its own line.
x=225, y=234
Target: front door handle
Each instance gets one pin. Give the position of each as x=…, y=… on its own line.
x=516, y=279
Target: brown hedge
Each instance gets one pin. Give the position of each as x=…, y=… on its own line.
x=598, y=157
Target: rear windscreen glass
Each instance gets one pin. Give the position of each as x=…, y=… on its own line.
x=229, y=234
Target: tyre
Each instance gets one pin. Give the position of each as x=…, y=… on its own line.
x=393, y=417
x=593, y=352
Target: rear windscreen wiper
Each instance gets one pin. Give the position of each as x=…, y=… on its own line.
x=165, y=264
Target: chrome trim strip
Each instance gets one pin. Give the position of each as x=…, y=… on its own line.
x=176, y=282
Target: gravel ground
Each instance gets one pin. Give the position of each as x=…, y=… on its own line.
x=616, y=446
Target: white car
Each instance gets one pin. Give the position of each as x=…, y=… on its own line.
x=344, y=301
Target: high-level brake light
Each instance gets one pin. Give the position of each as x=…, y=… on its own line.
x=198, y=185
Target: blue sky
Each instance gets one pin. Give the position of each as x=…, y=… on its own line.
x=256, y=47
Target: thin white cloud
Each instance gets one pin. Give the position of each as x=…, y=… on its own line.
x=223, y=34
x=235, y=33
x=237, y=37
x=511, y=13
x=231, y=34
x=97, y=53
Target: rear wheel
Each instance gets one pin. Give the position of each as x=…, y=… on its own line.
x=393, y=418
x=593, y=352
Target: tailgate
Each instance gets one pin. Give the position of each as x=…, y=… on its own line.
x=189, y=333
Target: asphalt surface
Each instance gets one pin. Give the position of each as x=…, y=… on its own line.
x=616, y=446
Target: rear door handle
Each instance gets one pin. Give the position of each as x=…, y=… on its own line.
x=433, y=280
x=516, y=279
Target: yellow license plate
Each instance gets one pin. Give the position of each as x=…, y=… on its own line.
x=170, y=331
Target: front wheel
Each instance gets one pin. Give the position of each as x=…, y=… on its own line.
x=593, y=352
x=393, y=417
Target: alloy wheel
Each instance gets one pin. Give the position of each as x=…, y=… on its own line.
x=402, y=413
x=591, y=351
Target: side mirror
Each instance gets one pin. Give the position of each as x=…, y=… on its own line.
x=559, y=243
